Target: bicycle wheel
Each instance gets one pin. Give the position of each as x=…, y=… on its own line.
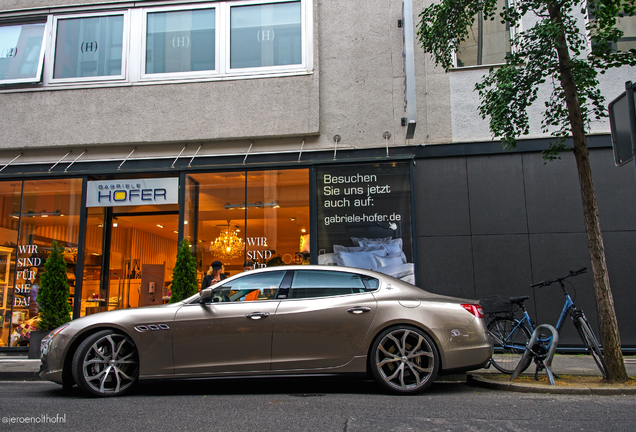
x=509, y=339
x=587, y=335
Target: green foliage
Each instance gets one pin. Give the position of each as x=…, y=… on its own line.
x=52, y=296
x=184, y=274
x=554, y=51
x=509, y=90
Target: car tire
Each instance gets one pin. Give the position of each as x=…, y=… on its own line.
x=404, y=360
x=106, y=364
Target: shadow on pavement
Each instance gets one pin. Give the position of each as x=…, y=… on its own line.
x=299, y=387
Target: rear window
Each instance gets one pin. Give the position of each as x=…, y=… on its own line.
x=309, y=284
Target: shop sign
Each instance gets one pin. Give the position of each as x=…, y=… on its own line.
x=258, y=251
x=28, y=266
x=364, y=217
x=113, y=193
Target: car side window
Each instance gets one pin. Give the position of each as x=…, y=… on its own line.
x=311, y=284
x=254, y=287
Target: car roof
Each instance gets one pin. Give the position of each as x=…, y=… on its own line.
x=342, y=269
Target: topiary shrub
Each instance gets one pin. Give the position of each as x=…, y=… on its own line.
x=52, y=296
x=184, y=274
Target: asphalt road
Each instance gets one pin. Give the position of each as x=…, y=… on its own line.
x=308, y=405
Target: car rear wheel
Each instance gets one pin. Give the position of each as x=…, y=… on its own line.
x=106, y=364
x=404, y=360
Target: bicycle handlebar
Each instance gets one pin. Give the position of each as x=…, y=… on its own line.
x=578, y=272
x=572, y=273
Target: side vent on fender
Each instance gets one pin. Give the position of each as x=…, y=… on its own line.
x=152, y=327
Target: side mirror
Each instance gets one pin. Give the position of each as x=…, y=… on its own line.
x=206, y=296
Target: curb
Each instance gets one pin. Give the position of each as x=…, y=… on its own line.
x=477, y=380
x=20, y=376
x=19, y=369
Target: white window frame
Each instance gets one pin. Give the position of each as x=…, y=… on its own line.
x=50, y=52
x=305, y=39
x=142, y=36
x=134, y=44
x=38, y=75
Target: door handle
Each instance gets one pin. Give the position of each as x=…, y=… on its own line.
x=257, y=315
x=358, y=310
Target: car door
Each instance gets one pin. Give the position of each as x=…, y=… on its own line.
x=323, y=321
x=232, y=334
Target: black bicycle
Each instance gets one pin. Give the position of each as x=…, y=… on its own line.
x=511, y=335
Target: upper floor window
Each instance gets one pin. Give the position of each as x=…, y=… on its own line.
x=265, y=35
x=488, y=41
x=180, y=41
x=89, y=47
x=626, y=24
x=21, y=53
x=163, y=42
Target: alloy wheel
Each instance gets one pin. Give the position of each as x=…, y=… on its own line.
x=109, y=366
x=405, y=360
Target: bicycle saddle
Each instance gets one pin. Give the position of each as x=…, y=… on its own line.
x=518, y=300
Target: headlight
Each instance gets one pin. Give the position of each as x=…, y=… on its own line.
x=46, y=342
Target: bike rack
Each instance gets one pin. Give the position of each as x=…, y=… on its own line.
x=540, y=360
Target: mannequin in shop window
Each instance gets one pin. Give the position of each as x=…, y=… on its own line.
x=214, y=275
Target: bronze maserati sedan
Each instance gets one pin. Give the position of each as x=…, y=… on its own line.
x=278, y=321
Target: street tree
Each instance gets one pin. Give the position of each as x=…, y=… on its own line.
x=550, y=48
x=184, y=274
x=52, y=296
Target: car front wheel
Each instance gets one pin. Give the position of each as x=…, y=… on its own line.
x=404, y=360
x=106, y=364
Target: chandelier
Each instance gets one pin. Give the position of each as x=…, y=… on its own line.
x=227, y=245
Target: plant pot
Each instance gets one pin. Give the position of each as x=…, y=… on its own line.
x=34, y=343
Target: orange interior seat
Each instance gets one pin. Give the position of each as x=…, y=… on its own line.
x=252, y=296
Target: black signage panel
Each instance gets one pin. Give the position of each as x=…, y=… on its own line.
x=364, y=217
x=620, y=118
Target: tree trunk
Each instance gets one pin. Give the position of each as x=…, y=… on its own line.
x=604, y=301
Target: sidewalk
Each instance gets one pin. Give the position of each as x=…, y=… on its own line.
x=19, y=368
x=579, y=375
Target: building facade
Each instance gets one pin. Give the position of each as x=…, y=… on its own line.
x=285, y=131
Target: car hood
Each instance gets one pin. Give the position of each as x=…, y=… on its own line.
x=125, y=318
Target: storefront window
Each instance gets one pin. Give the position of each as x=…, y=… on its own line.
x=132, y=230
x=277, y=217
x=143, y=252
x=190, y=217
x=50, y=213
x=92, y=260
x=220, y=212
x=364, y=218
x=261, y=216
x=10, y=194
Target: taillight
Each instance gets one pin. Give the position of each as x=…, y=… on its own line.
x=474, y=309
